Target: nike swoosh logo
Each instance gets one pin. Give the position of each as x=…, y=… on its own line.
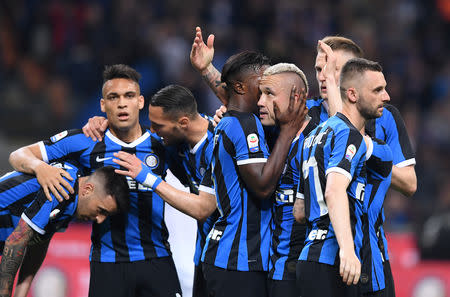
x=98, y=159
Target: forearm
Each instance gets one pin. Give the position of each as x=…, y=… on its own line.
x=32, y=261
x=212, y=77
x=197, y=206
x=339, y=212
x=404, y=180
x=334, y=97
x=299, y=210
x=13, y=253
x=25, y=160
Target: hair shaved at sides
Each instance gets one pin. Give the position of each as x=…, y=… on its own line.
x=120, y=71
x=284, y=68
x=176, y=101
x=355, y=68
x=237, y=66
x=114, y=184
x=339, y=43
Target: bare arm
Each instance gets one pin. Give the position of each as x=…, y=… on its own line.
x=299, y=210
x=338, y=210
x=262, y=178
x=13, y=253
x=197, y=206
x=32, y=261
x=201, y=59
x=404, y=180
x=28, y=159
x=332, y=80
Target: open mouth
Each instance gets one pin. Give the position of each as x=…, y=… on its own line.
x=123, y=116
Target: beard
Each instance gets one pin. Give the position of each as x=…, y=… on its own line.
x=367, y=111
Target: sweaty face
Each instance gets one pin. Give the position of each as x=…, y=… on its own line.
x=121, y=102
x=164, y=126
x=273, y=87
x=341, y=58
x=372, y=95
x=94, y=207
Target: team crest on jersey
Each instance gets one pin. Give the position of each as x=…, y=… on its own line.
x=152, y=161
x=350, y=152
x=253, y=142
x=58, y=136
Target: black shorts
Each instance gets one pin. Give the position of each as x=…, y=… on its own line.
x=154, y=277
x=229, y=283
x=199, y=287
x=282, y=288
x=318, y=279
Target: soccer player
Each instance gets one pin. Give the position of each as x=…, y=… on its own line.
x=287, y=234
x=130, y=254
x=332, y=185
x=244, y=177
x=174, y=117
x=29, y=220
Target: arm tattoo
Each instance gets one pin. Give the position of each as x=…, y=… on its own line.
x=13, y=253
x=212, y=78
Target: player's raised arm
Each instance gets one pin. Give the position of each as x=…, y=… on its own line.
x=262, y=178
x=28, y=159
x=331, y=75
x=199, y=206
x=13, y=252
x=201, y=59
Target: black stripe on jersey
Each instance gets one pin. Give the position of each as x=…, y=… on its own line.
x=365, y=255
x=355, y=138
x=5, y=221
x=403, y=138
x=17, y=207
x=314, y=112
x=383, y=168
x=316, y=248
x=12, y=182
x=98, y=150
x=145, y=227
x=34, y=208
x=298, y=236
x=249, y=126
x=370, y=128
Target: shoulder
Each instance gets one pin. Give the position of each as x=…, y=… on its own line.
x=67, y=134
x=314, y=102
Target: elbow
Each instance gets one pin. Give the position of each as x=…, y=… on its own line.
x=12, y=157
x=411, y=188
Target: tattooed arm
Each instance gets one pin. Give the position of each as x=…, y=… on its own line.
x=13, y=253
x=201, y=59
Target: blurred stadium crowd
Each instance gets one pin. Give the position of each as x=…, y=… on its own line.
x=52, y=54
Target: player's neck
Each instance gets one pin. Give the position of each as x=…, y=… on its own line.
x=353, y=115
x=239, y=103
x=197, y=130
x=127, y=135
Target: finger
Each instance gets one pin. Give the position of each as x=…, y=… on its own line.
x=210, y=41
x=123, y=163
x=61, y=191
x=199, y=34
x=47, y=194
x=85, y=131
x=88, y=132
x=346, y=273
x=223, y=108
x=104, y=125
x=66, y=185
x=97, y=134
x=123, y=172
x=55, y=193
x=65, y=174
x=292, y=98
x=123, y=155
x=357, y=275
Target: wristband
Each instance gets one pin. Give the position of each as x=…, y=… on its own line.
x=147, y=178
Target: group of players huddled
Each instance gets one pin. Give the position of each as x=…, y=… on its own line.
x=288, y=192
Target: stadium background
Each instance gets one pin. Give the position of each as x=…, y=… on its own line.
x=52, y=54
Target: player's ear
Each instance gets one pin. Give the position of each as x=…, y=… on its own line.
x=183, y=122
x=352, y=95
x=239, y=88
x=102, y=104
x=88, y=188
x=141, y=101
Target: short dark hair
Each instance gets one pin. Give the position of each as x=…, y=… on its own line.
x=236, y=66
x=114, y=184
x=344, y=44
x=175, y=101
x=120, y=71
x=356, y=67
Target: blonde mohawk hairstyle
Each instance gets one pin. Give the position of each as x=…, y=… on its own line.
x=287, y=67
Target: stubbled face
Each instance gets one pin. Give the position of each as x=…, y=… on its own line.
x=94, y=207
x=372, y=95
x=273, y=87
x=341, y=58
x=121, y=102
x=166, y=128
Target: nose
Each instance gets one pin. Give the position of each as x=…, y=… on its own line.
x=320, y=75
x=261, y=99
x=386, y=97
x=100, y=218
x=122, y=101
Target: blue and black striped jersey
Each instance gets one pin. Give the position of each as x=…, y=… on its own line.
x=379, y=171
x=195, y=162
x=140, y=233
x=334, y=146
x=240, y=238
x=21, y=196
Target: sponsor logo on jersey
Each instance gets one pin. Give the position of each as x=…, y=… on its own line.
x=215, y=234
x=253, y=143
x=350, y=152
x=317, y=234
x=58, y=136
x=152, y=161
